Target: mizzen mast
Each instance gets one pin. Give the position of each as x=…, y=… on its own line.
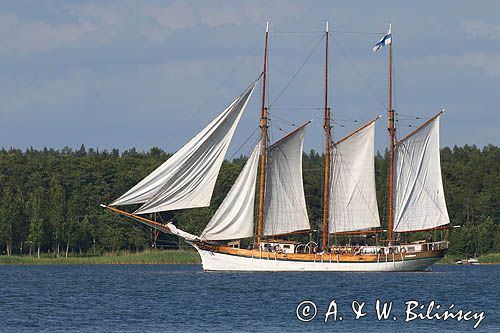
x=328, y=140
x=392, y=134
x=263, y=127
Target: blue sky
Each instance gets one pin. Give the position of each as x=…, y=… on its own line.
x=152, y=73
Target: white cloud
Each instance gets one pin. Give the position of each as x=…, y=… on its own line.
x=187, y=14
x=480, y=29
x=23, y=37
x=488, y=63
x=91, y=25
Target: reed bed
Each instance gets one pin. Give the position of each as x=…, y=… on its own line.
x=146, y=257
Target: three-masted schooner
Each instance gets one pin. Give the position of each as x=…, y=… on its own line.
x=416, y=198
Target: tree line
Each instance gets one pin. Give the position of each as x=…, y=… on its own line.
x=50, y=198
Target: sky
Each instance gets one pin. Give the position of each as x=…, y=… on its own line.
x=122, y=74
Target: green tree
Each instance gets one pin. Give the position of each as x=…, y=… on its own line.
x=71, y=225
x=36, y=219
x=57, y=204
x=6, y=222
x=485, y=235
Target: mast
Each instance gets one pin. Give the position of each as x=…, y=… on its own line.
x=392, y=132
x=328, y=140
x=263, y=127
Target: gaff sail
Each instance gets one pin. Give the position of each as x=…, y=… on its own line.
x=419, y=197
x=285, y=205
x=353, y=197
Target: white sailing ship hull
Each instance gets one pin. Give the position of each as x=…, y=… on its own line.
x=215, y=261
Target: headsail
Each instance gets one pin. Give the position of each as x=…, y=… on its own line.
x=234, y=217
x=420, y=202
x=285, y=205
x=187, y=179
x=353, y=199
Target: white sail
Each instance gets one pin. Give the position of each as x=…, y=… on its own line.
x=234, y=217
x=285, y=205
x=181, y=233
x=353, y=198
x=187, y=179
x=419, y=195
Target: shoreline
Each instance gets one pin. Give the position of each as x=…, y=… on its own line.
x=486, y=259
x=158, y=257
x=163, y=257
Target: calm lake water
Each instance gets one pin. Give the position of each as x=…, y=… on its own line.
x=177, y=298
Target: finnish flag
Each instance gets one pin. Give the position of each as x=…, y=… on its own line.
x=386, y=40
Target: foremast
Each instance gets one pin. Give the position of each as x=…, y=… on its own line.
x=328, y=141
x=263, y=127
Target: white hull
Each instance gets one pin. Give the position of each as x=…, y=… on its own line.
x=214, y=261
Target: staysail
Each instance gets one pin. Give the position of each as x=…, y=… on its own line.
x=353, y=200
x=285, y=205
x=187, y=179
x=419, y=195
x=234, y=217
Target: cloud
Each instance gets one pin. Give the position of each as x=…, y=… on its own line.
x=94, y=67
x=488, y=63
x=480, y=29
x=91, y=25
x=23, y=37
x=188, y=14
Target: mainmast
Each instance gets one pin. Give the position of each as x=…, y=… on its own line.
x=263, y=127
x=328, y=140
x=392, y=132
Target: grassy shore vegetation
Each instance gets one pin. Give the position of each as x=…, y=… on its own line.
x=452, y=258
x=121, y=258
x=49, y=200
x=492, y=258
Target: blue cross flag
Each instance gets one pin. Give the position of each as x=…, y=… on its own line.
x=386, y=40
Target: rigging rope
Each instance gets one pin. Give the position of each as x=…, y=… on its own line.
x=214, y=91
x=358, y=32
x=280, y=121
x=401, y=123
x=406, y=119
x=360, y=75
x=413, y=116
x=297, y=32
x=337, y=123
x=244, y=143
x=297, y=109
x=278, y=127
x=283, y=120
x=296, y=73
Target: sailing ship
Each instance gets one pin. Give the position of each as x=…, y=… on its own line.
x=416, y=198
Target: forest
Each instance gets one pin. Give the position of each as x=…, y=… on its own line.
x=50, y=199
